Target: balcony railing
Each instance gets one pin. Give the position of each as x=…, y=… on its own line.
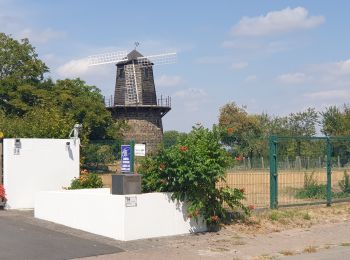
x=161, y=102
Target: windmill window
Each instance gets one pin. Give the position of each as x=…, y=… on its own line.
x=145, y=73
x=121, y=73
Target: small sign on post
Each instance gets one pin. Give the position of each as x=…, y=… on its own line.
x=140, y=150
x=126, y=158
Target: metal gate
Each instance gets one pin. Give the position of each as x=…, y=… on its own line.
x=318, y=173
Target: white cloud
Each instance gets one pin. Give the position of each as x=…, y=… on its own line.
x=329, y=95
x=280, y=21
x=168, y=81
x=80, y=68
x=292, y=78
x=41, y=36
x=239, y=65
x=339, y=68
x=74, y=68
x=250, y=78
x=192, y=98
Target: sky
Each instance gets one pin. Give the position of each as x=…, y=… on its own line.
x=275, y=57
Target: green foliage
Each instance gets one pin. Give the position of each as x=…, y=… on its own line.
x=311, y=189
x=96, y=155
x=33, y=107
x=344, y=184
x=19, y=62
x=190, y=170
x=86, y=181
x=247, y=134
x=171, y=138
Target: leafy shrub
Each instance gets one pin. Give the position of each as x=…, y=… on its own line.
x=86, y=181
x=311, y=189
x=190, y=170
x=2, y=193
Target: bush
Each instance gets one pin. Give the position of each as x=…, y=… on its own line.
x=86, y=181
x=2, y=193
x=190, y=170
x=311, y=189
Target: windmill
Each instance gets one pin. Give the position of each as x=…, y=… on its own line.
x=135, y=99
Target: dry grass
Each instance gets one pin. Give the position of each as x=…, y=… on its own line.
x=267, y=221
x=257, y=184
x=310, y=249
x=287, y=252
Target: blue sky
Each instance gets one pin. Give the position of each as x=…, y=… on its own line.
x=271, y=56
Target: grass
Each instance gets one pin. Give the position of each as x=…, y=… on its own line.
x=269, y=221
x=310, y=249
x=287, y=252
x=345, y=244
x=285, y=216
x=256, y=185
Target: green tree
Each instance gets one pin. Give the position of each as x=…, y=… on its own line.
x=33, y=107
x=19, y=63
x=170, y=138
x=243, y=131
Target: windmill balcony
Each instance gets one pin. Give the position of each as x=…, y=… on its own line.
x=161, y=102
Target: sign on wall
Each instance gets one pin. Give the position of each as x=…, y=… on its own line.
x=140, y=150
x=126, y=158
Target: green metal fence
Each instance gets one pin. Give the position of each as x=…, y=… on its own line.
x=320, y=172
x=101, y=156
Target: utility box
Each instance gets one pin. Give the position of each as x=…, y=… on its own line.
x=126, y=184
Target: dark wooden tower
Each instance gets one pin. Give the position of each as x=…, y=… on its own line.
x=135, y=100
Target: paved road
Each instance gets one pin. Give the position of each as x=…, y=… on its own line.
x=24, y=237
x=21, y=239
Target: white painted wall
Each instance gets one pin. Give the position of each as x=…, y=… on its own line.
x=41, y=165
x=98, y=212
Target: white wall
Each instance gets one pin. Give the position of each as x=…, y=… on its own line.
x=42, y=164
x=98, y=212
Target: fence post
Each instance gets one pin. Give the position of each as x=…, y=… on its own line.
x=273, y=172
x=329, y=173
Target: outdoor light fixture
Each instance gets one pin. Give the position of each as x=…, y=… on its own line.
x=74, y=134
x=67, y=146
x=18, y=146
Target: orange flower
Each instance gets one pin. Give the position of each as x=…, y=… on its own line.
x=251, y=207
x=183, y=148
x=239, y=158
x=230, y=130
x=214, y=218
x=242, y=190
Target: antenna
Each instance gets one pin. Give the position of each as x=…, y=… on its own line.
x=136, y=45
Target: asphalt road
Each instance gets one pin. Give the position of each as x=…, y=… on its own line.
x=20, y=239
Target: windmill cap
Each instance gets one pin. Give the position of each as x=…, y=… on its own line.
x=133, y=55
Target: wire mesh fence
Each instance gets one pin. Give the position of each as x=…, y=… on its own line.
x=301, y=172
x=317, y=175
x=101, y=156
x=255, y=184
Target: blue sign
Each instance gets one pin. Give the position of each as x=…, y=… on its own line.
x=126, y=158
